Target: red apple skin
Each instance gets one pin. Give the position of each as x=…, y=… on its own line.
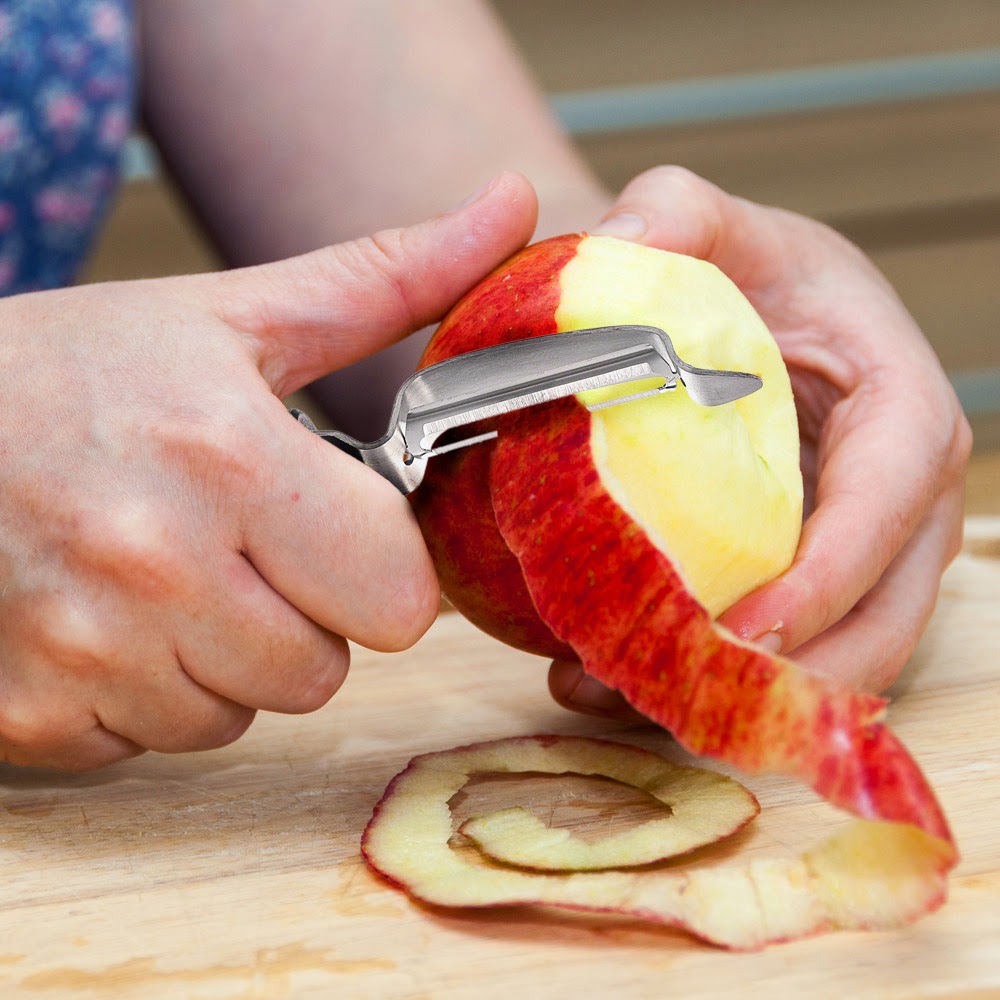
x=477, y=571
x=640, y=631
x=532, y=548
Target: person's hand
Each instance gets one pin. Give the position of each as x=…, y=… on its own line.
x=884, y=440
x=175, y=550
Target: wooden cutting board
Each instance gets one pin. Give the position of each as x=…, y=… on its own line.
x=237, y=873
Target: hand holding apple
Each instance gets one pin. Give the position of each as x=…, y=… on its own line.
x=884, y=440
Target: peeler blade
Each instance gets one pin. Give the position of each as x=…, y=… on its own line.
x=486, y=383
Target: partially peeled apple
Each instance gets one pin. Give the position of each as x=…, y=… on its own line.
x=717, y=489
x=617, y=536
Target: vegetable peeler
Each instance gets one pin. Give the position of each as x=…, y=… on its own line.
x=506, y=377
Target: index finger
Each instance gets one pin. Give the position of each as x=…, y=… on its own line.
x=338, y=541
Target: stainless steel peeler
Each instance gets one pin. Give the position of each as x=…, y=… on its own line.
x=495, y=380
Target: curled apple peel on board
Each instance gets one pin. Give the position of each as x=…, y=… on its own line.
x=734, y=905
x=701, y=806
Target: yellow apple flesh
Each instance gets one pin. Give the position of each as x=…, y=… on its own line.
x=717, y=488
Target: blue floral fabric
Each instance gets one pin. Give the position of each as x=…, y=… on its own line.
x=67, y=89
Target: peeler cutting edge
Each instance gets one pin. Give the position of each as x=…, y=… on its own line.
x=506, y=377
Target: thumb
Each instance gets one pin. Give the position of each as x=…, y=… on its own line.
x=307, y=316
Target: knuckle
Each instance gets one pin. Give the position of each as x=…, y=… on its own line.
x=379, y=258
x=962, y=442
x=415, y=607
x=674, y=175
x=311, y=688
x=686, y=186
x=883, y=672
x=705, y=206
x=207, y=449
x=61, y=632
x=225, y=729
x=390, y=597
x=134, y=545
x=895, y=530
x=295, y=671
x=954, y=525
x=822, y=606
x=956, y=540
x=30, y=732
x=210, y=729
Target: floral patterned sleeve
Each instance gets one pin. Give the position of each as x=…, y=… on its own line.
x=67, y=89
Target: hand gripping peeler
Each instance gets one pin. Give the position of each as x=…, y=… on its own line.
x=495, y=380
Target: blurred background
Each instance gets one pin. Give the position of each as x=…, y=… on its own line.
x=880, y=117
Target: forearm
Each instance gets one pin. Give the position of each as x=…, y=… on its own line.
x=293, y=128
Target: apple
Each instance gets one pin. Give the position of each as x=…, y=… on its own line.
x=618, y=536
x=722, y=484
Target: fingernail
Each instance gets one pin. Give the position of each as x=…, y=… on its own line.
x=771, y=641
x=592, y=696
x=626, y=226
x=476, y=195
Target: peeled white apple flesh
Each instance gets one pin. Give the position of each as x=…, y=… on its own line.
x=717, y=488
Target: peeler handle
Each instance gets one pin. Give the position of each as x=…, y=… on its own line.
x=388, y=457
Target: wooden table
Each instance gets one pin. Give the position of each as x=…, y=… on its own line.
x=237, y=874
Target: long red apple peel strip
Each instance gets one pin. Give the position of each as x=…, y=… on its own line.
x=717, y=696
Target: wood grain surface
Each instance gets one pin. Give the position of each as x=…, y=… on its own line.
x=237, y=873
